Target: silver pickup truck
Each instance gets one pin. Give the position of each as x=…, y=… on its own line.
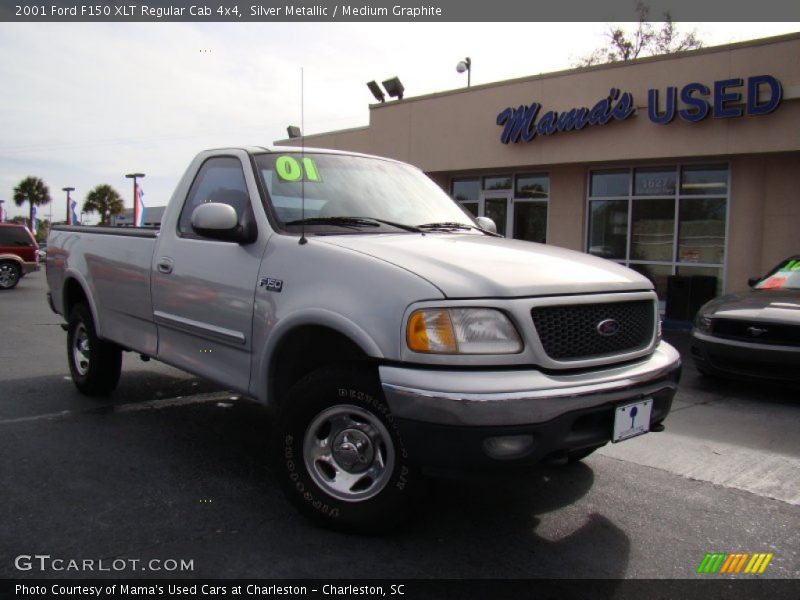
x=388, y=329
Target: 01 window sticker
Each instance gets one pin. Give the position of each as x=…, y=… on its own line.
x=289, y=168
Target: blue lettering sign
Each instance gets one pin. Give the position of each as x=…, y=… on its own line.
x=722, y=97
x=764, y=94
x=754, y=108
x=519, y=124
x=699, y=106
x=669, y=110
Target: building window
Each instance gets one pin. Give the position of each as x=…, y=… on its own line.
x=653, y=229
x=661, y=221
x=497, y=183
x=467, y=193
x=536, y=186
x=608, y=228
x=612, y=182
x=654, y=182
x=706, y=181
x=531, y=193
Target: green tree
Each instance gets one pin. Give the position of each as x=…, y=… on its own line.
x=646, y=40
x=105, y=201
x=33, y=191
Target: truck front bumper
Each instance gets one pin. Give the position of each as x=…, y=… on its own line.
x=453, y=418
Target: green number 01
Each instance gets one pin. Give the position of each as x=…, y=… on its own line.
x=289, y=169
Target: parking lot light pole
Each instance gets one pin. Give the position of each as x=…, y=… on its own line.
x=69, y=207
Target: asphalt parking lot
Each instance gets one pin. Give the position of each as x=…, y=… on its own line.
x=171, y=467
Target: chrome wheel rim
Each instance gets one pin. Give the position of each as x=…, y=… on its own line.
x=80, y=349
x=8, y=275
x=349, y=453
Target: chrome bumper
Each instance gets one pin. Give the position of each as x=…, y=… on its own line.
x=528, y=397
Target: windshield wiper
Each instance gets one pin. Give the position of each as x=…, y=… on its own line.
x=352, y=222
x=451, y=225
x=343, y=221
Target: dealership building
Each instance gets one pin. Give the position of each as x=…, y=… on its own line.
x=678, y=165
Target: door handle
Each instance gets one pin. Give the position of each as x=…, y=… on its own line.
x=164, y=265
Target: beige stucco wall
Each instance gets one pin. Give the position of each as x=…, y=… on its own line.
x=567, y=209
x=781, y=221
x=457, y=130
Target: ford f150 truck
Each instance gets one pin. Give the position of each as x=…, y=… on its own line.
x=389, y=330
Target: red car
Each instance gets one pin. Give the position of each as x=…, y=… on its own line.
x=17, y=254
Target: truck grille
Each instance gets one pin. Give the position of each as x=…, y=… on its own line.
x=571, y=332
x=757, y=332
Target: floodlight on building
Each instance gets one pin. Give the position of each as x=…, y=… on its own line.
x=293, y=131
x=394, y=88
x=376, y=91
x=465, y=65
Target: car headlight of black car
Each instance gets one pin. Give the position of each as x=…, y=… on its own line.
x=702, y=323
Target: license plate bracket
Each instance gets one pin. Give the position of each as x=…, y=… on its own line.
x=631, y=420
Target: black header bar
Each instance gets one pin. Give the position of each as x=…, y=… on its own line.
x=528, y=11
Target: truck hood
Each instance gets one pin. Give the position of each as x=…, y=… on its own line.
x=467, y=265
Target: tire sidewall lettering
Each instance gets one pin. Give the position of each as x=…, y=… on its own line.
x=300, y=482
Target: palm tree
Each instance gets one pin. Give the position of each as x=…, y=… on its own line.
x=32, y=190
x=104, y=200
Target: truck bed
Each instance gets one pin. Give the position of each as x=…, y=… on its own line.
x=114, y=265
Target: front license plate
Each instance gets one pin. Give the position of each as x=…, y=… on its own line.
x=632, y=420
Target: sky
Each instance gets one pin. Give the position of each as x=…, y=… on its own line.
x=84, y=103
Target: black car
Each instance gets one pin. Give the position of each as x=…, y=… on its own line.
x=756, y=333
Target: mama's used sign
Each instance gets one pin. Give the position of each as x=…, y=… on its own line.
x=698, y=101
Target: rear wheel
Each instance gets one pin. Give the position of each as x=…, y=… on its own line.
x=10, y=274
x=94, y=364
x=342, y=462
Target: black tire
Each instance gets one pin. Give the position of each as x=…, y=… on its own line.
x=94, y=364
x=340, y=457
x=10, y=274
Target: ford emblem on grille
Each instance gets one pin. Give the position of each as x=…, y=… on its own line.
x=608, y=327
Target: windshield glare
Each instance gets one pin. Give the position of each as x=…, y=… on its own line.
x=353, y=186
x=785, y=277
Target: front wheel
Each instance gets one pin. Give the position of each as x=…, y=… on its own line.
x=10, y=274
x=342, y=462
x=94, y=364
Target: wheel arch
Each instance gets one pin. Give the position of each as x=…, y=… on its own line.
x=13, y=258
x=75, y=291
x=304, y=343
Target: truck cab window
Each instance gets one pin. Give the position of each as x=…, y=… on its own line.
x=220, y=179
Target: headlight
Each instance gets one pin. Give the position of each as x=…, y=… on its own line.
x=702, y=323
x=461, y=331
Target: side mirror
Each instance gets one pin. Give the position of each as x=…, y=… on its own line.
x=752, y=281
x=217, y=221
x=487, y=224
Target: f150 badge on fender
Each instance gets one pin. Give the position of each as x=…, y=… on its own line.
x=272, y=285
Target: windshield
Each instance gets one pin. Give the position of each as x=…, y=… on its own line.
x=785, y=276
x=397, y=196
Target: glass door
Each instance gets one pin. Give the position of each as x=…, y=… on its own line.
x=496, y=204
